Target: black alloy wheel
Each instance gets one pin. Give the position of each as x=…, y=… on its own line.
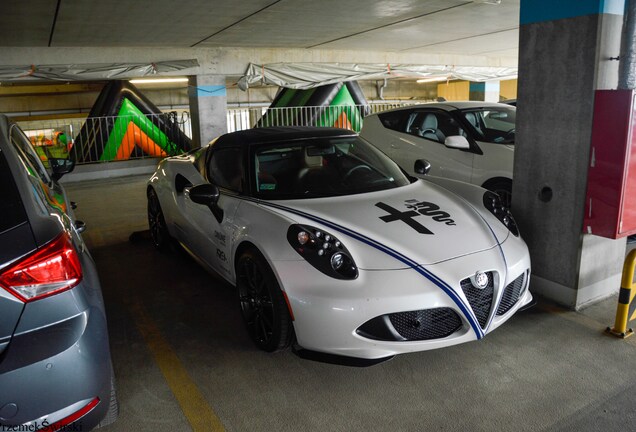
x=262, y=303
x=157, y=223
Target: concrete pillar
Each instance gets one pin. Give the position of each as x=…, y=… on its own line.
x=484, y=91
x=208, y=107
x=564, y=51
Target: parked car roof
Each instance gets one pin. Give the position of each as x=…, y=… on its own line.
x=276, y=134
x=449, y=105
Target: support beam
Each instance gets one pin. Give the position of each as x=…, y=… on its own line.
x=232, y=61
x=564, y=56
x=208, y=107
x=487, y=91
x=30, y=90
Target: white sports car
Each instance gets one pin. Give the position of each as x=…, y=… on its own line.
x=467, y=141
x=327, y=240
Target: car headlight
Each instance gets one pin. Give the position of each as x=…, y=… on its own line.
x=323, y=251
x=493, y=203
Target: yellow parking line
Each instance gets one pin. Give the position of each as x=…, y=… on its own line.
x=581, y=319
x=194, y=406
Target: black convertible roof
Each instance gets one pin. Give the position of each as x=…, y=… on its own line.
x=277, y=134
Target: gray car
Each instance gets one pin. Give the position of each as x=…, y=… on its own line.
x=55, y=366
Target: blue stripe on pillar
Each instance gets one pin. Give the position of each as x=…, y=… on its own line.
x=477, y=87
x=211, y=90
x=549, y=10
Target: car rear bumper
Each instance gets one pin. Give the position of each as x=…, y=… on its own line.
x=329, y=313
x=51, y=372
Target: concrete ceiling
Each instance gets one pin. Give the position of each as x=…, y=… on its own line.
x=409, y=26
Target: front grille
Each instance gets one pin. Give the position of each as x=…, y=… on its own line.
x=480, y=299
x=416, y=325
x=511, y=295
x=426, y=324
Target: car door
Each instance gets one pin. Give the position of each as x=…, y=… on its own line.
x=210, y=232
x=424, y=132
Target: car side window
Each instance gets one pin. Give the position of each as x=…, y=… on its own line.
x=11, y=206
x=36, y=172
x=27, y=153
x=393, y=119
x=225, y=169
x=433, y=125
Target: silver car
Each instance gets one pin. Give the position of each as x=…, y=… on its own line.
x=55, y=366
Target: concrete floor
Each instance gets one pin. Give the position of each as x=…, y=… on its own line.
x=183, y=359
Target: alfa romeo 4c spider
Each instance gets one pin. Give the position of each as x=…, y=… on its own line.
x=334, y=247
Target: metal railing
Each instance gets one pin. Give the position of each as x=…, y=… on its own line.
x=106, y=139
x=345, y=116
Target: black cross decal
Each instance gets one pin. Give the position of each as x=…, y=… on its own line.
x=406, y=217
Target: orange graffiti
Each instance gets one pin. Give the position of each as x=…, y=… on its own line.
x=342, y=122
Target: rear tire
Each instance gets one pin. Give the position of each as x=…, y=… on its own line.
x=159, y=233
x=262, y=303
x=113, y=404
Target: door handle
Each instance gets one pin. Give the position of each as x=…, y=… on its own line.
x=80, y=226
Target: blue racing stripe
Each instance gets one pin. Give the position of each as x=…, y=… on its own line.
x=402, y=258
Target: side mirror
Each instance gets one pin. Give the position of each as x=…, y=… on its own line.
x=457, y=142
x=422, y=166
x=80, y=226
x=205, y=194
x=59, y=167
x=208, y=195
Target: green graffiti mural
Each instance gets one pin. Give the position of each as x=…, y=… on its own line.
x=130, y=113
x=333, y=105
x=124, y=124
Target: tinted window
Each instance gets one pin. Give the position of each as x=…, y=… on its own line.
x=494, y=125
x=225, y=169
x=432, y=125
x=11, y=207
x=393, y=119
x=322, y=167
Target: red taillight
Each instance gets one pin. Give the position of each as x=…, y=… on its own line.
x=63, y=424
x=53, y=268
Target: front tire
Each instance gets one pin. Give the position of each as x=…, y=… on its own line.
x=262, y=303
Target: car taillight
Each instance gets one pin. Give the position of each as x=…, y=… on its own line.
x=63, y=424
x=53, y=268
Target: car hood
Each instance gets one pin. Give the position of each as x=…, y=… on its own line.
x=421, y=223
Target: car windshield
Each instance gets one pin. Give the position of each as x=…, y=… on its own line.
x=490, y=124
x=321, y=167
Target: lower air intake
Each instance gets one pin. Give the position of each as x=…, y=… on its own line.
x=425, y=324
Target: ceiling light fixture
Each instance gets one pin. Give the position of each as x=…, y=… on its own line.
x=432, y=79
x=157, y=80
